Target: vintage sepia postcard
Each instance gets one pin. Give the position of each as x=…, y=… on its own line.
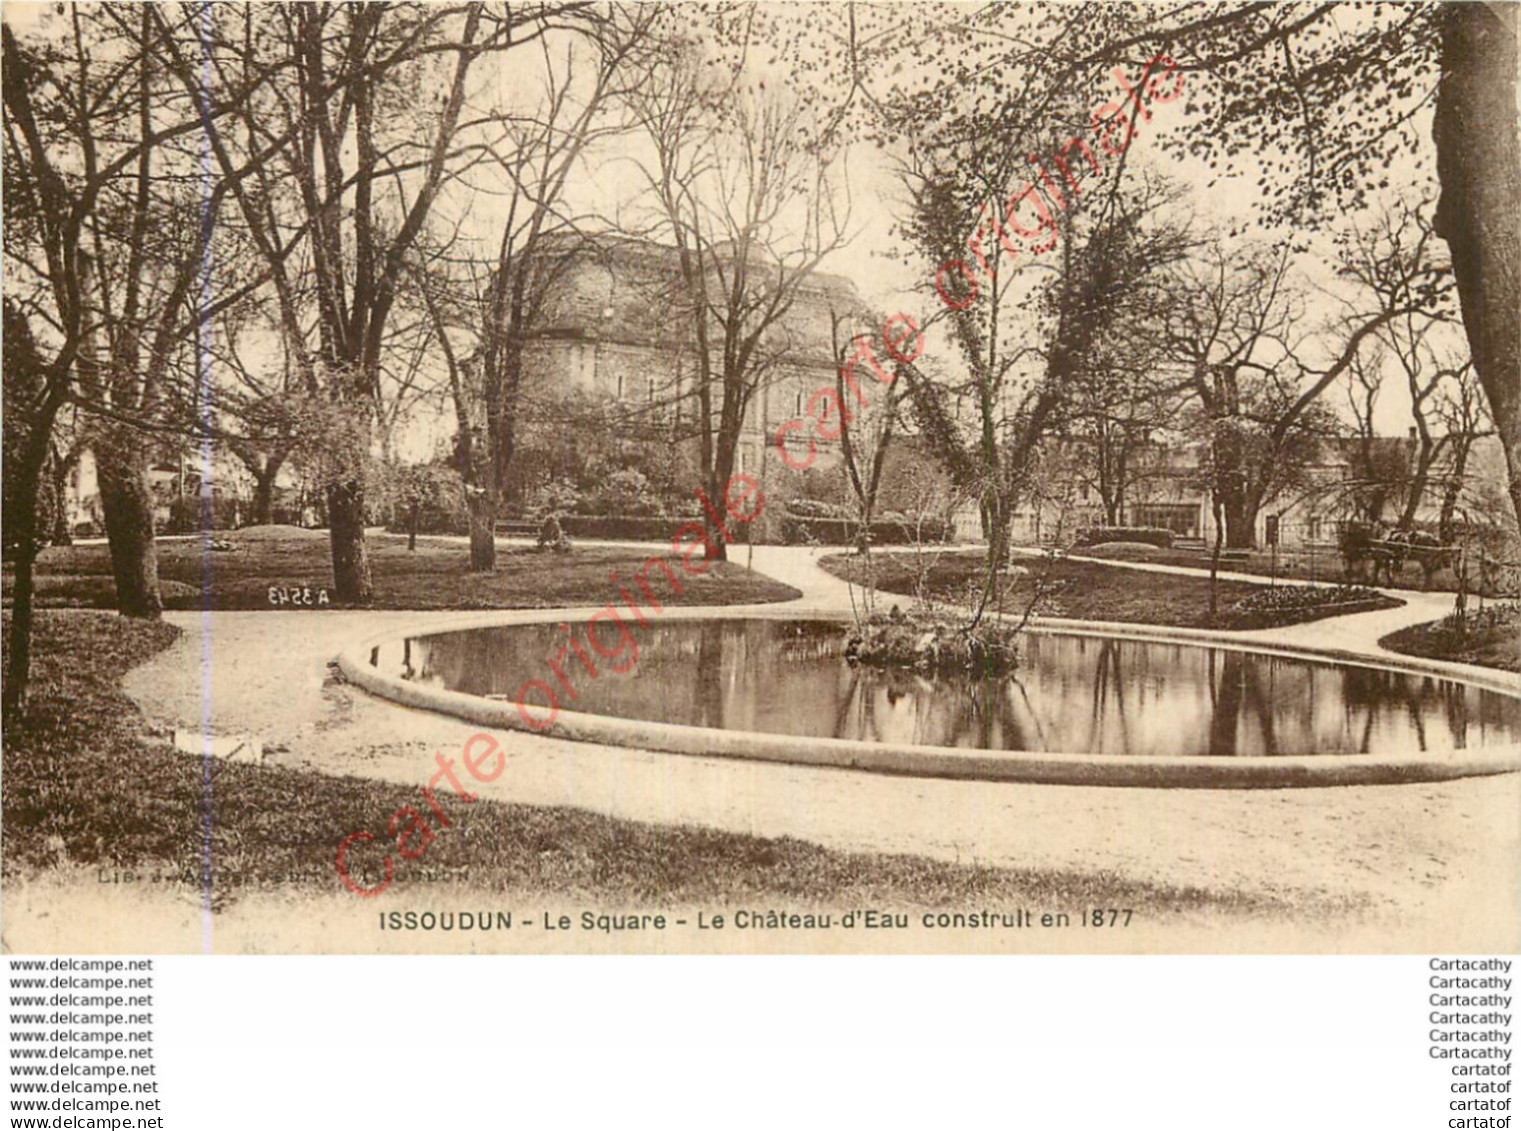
x=769, y=478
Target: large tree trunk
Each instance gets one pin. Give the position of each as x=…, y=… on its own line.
x=1000, y=532
x=1240, y=515
x=1479, y=214
x=23, y=511
x=1218, y=513
x=57, y=510
x=127, y=501
x=263, y=501
x=264, y=491
x=345, y=524
x=1238, y=504
x=717, y=549
x=483, y=531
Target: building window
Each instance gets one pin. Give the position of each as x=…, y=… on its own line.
x=797, y=405
x=650, y=390
x=1314, y=528
x=620, y=386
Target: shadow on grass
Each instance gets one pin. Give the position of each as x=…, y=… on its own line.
x=263, y=562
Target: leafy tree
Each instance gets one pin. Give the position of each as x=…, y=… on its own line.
x=34, y=393
x=1023, y=377
x=1277, y=92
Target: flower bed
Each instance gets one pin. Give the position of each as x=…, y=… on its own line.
x=1490, y=637
x=1291, y=604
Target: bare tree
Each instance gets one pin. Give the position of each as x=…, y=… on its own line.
x=752, y=205
x=496, y=308
x=103, y=244
x=1464, y=416
x=1379, y=468
x=865, y=431
x=342, y=161
x=1234, y=334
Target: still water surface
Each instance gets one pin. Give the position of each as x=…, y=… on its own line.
x=1072, y=694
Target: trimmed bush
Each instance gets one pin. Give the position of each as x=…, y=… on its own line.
x=1157, y=536
x=637, y=528
x=843, y=532
x=815, y=508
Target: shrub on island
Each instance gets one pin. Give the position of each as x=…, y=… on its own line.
x=933, y=643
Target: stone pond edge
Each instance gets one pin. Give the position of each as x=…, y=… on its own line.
x=1151, y=771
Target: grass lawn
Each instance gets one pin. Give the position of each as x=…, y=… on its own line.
x=1323, y=565
x=1491, y=639
x=1083, y=590
x=83, y=784
x=435, y=576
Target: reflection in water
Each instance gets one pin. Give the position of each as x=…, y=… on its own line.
x=1070, y=694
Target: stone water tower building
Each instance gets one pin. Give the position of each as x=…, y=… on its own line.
x=615, y=330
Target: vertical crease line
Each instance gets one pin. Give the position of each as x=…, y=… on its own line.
x=203, y=360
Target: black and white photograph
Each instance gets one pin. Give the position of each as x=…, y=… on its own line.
x=761, y=478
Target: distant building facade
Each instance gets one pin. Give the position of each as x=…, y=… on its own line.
x=1172, y=491
x=615, y=331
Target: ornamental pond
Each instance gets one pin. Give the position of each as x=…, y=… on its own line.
x=1072, y=693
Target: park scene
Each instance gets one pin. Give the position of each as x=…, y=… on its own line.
x=1044, y=475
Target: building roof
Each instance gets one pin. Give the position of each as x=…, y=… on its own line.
x=623, y=290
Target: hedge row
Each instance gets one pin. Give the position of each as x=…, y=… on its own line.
x=633, y=528
x=841, y=532
x=1157, y=536
x=795, y=530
